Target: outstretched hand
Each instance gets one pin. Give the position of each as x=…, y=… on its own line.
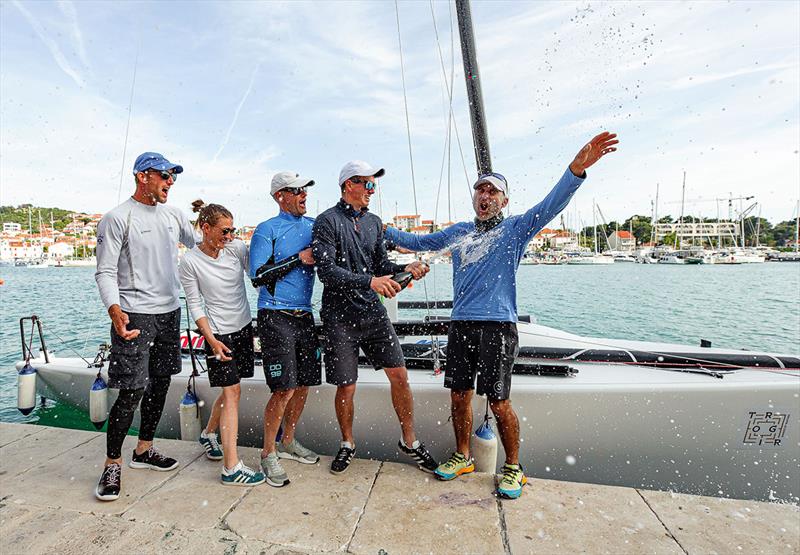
x=595, y=149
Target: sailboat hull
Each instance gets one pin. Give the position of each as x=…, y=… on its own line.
x=614, y=424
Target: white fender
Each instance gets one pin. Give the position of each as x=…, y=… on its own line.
x=98, y=403
x=484, y=448
x=26, y=389
x=190, y=417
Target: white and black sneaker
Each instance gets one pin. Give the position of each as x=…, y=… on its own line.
x=153, y=460
x=421, y=456
x=110, y=483
x=341, y=461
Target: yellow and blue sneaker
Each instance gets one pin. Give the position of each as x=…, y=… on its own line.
x=510, y=485
x=455, y=466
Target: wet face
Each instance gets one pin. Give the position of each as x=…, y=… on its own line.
x=292, y=200
x=154, y=185
x=358, y=190
x=488, y=201
x=220, y=234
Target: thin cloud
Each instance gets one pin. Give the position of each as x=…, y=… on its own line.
x=227, y=138
x=68, y=9
x=55, y=51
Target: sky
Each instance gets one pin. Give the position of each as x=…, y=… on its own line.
x=238, y=91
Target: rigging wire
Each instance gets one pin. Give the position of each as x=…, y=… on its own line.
x=434, y=341
x=128, y=125
x=405, y=104
x=444, y=76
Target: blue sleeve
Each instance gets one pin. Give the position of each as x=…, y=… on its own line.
x=429, y=242
x=533, y=221
x=260, y=250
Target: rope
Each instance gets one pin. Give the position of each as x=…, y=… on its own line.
x=30, y=343
x=128, y=125
x=70, y=348
x=633, y=360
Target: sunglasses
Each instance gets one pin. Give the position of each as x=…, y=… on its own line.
x=295, y=190
x=229, y=231
x=492, y=174
x=165, y=175
x=368, y=184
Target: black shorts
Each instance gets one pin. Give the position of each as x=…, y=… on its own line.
x=224, y=373
x=487, y=349
x=289, y=349
x=155, y=352
x=376, y=337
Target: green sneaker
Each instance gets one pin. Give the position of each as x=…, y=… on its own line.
x=296, y=452
x=510, y=485
x=455, y=466
x=276, y=476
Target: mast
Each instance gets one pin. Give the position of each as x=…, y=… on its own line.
x=797, y=228
x=477, y=116
x=683, y=199
x=655, y=220
x=594, y=225
x=758, y=228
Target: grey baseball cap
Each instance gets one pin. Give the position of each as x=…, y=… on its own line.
x=358, y=168
x=288, y=180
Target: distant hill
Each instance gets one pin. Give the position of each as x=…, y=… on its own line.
x=19, y=214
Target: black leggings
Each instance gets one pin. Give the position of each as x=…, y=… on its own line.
x=152, y=397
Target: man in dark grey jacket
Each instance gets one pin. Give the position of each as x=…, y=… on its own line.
x=354, y=268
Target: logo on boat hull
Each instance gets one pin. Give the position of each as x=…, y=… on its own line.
x=765, y=428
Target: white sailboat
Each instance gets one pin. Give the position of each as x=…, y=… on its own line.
x=591, y=259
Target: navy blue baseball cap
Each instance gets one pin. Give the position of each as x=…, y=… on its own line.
x=154, y=161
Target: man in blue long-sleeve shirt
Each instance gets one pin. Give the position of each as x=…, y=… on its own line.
x=483, y=338
x=281, y=264
x=352, y=264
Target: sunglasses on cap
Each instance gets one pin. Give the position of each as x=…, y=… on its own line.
x=493, y=174
x=295, y=190
x=368, y=184
x=164, y=174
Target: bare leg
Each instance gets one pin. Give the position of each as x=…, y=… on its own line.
x=345, y=410
x=461, y=412
x=228, y=419
x=213, y=421
x=403, y=401
x=273, y=414
x=292, y=414
x=508, y=426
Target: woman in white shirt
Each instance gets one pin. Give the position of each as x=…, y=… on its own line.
x=212, y=275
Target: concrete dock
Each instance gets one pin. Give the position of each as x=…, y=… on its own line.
x=47, y=505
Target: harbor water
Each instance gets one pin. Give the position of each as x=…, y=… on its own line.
x=748, y=306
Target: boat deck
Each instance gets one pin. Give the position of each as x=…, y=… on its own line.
x=47, y=478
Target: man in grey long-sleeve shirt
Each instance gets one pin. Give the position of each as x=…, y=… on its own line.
x=137, y=257
x=352, y=264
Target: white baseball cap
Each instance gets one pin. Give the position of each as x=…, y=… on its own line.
x=495, y=180
x=284, y=180
x=358, y=167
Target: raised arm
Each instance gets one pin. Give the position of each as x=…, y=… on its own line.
x=537, y=217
